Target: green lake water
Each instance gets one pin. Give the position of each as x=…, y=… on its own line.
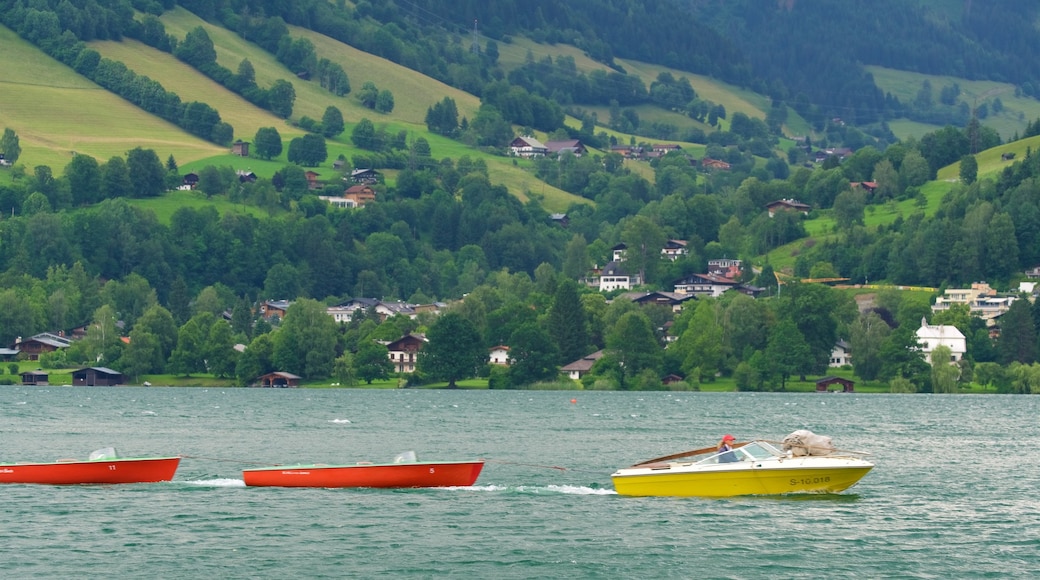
x=954, y=493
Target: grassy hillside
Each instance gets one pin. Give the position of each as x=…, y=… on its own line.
x=1018, y=110
x=57, y=112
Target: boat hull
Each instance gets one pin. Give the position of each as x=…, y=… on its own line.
x=126, y=470
x=773, y=478
x=419, y=474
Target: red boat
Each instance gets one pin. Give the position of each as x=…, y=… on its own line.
x=103, y=466
x=405, y=471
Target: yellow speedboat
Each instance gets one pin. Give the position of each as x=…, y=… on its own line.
x=752, y=468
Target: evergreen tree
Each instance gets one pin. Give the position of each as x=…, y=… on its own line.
x=566, y=323
x=10, y=146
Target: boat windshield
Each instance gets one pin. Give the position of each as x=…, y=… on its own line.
x=753, y=451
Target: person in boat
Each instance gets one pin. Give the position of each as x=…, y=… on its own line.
x=725, y=447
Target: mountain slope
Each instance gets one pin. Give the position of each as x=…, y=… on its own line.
x=56, y=112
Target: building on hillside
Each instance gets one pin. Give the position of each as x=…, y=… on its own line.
x=527, y=146
x=725, y=267
x=788, y=205
x=404, y=352
x=369, y=176
x=933, y=336
x=274, y=309
x=572, y=146
x=675, y=249
x=41, y=343
x=704, y=285
x=240, y=148
x=582, y=366
x=614, y=276
x=981, y=300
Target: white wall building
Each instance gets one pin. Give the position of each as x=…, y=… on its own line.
x=932, y=336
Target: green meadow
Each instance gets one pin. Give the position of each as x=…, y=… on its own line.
x=58, y=113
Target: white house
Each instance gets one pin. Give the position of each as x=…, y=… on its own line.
x=499, y=355
x=841, y=354
x=933, y=336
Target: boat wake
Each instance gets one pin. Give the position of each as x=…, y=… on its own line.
x=340, y=421
x=223, y=482
x=540, y=489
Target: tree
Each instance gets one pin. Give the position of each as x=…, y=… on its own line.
x=196, y=49
x=332, y=122
x=866, y=335
x=190, y=356
x=454, y=351
x=364, y=135
x=643, y=240
x=532, y=356
x=385, y=101
x=969, y=170
x=701, y=343
x=308, y=150
x=306, y=342
x=566, y=323
x=443, y=117
x=115, y=179
x=787, y=352
x=9, y=146
x=280, y=98
x=1017, y=342
x=343, y=370
x=368, y=94
x=944, y=374
x=633, y=343
x=219, y=349
x=146, y=172
x=267, y=143
x=84, y=176
x=372, y=361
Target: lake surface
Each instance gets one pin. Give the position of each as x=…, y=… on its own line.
x=954, y=493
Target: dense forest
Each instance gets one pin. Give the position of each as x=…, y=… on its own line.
x=74, y=252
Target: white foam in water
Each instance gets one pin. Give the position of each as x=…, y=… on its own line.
x=568, y=489
x=340, y=421
x=224, y=482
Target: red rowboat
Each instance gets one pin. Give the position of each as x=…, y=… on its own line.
x=401, y=473
x=102, y=467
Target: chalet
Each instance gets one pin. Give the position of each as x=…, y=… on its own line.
x=841, y=354
x=1003, y=156
x=1033, y=272
x=840, y=152
x=665, y=148
x=749, y=290
x=359, y=195
x=404, y=352
x=368, y=176
x=337, y=201
x=629, y=151
x=344, y=311
x=672, y=300
x=96, y=377
x=245, y=176
x=787, y=205
x=704, y=284
x=615, y=277
x=38, y=378
x=312, y=180
x=932, y=336
x=240, y=148
x=32, y=348
x=675, y=249
x=278, y=380
x=725, y=267
x=572, y=146
x=527, y=146
x=191, y=180
x=8, y=354
x=499, y=355
x=560, y=219
x=582, y=366
x=718, y=164
x=275, y=309
x=671, y=379
x=842, y=385
x=867, y=186
x=338, y=164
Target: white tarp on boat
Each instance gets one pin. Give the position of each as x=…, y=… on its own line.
x=804, y=442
